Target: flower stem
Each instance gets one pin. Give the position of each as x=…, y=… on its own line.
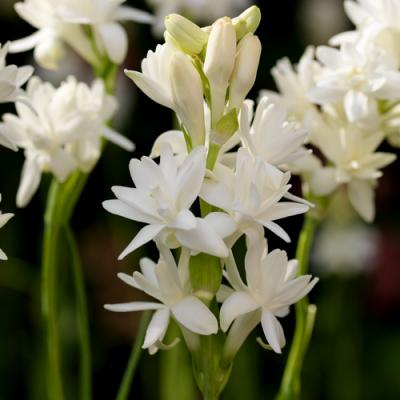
x=134, y=357
x=82, y=316
x=291, y=381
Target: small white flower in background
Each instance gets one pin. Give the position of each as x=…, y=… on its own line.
x=62, y=133
x=293, y=84
x=169, y=284
x=11, y=80
x=201, y=11
x=251, y=193
x=162, y=199
x=63, y=21
x=269, y=135
x=354, y=161
x=271, y=287
x=4, y=218
x=358, y=76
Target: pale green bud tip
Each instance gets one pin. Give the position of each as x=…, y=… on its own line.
x=247, y=22
x=189, y=36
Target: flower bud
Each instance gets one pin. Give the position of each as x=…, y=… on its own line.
x=49, y=53
x=219, y=63
x=245, y=71
x=189, y=36
x=247, y=22
x=187, y=93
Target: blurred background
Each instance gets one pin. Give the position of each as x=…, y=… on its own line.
x=355, y=349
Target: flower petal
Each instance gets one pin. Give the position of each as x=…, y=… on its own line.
x=157, y=327
x=134, y=306
x=273, y=330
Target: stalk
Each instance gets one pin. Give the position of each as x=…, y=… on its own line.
x=291, y=382
x=125, y=387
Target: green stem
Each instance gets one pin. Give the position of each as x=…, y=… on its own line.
x=134, y=357
x=49, y=279
x=291, y=382
x=82, y=315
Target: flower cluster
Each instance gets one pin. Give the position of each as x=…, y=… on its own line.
x=4, y=218
x=230, y=165
x=90, y=27
x=348, y=97
x=60, y=130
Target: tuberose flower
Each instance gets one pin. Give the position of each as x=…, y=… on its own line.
x=4, y=218
x=162, y=198
x=169, y=284
x=271, y=287
x=62, y=132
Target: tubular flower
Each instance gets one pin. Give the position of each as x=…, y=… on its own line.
x=271, y=288
x=4, y=218
x=169, y=284
x=64, y=22
x=162, y=198
x=251, y=193
x=62, y=133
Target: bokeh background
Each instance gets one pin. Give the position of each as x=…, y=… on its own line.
x=355, y=350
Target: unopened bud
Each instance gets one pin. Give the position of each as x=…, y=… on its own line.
x=247, y=22
x=245, y=71
x=187, y=93
x=189, y=36
x=219, y=63
x=49, y=53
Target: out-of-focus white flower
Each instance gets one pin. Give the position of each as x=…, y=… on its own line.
x=293, y=84
x=251, y=193
x=201, y=11
x=271, y=287
x=62, y=132
x=269, y=135
x=357, y=76
x=162, y=198
x=64, y=21
x=169, y=284
x=11, y=80
x=4, y=218
x=353, y=161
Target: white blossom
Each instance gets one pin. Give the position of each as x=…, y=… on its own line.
x=169, y=284
x=251, y=193
x=4, y=218
x=271, y=287
x=269, y=135
x=61, y=131
x=63, y=21
x=162, y=198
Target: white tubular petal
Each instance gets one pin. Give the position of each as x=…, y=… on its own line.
x=291, y=270
x=115, y=41
x=4, y=218
x=129, y=280
x=273, y=227
x=144, y=236
x=124, y=13
x=295, y=290
x=134, y=306
x=118, y=139
x=195, y=316
x=122, y=209
x=174, y=138
x=284, y=209
x=362, y=198
x=150, y=88
x=203, y=239
x=27, y=43
x=157, y=328
x=3, y=256
x=30, y=180
x=323, y=181
x=223, y=293
x=237, y=304
x=273, y=331
x=232, y=273
x=222, y=223
x=356, y=105
x=184, y=220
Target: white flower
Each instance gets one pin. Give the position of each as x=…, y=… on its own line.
x=269, y=135
x=62, y=133
x=271, y=287
x=252, y=193
x=4, y=218
x=353, y=161
x=357, y=76
x=63, y=21
x=162, y=199
x=202, y=11
x=169, y=284
x=293, y=84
